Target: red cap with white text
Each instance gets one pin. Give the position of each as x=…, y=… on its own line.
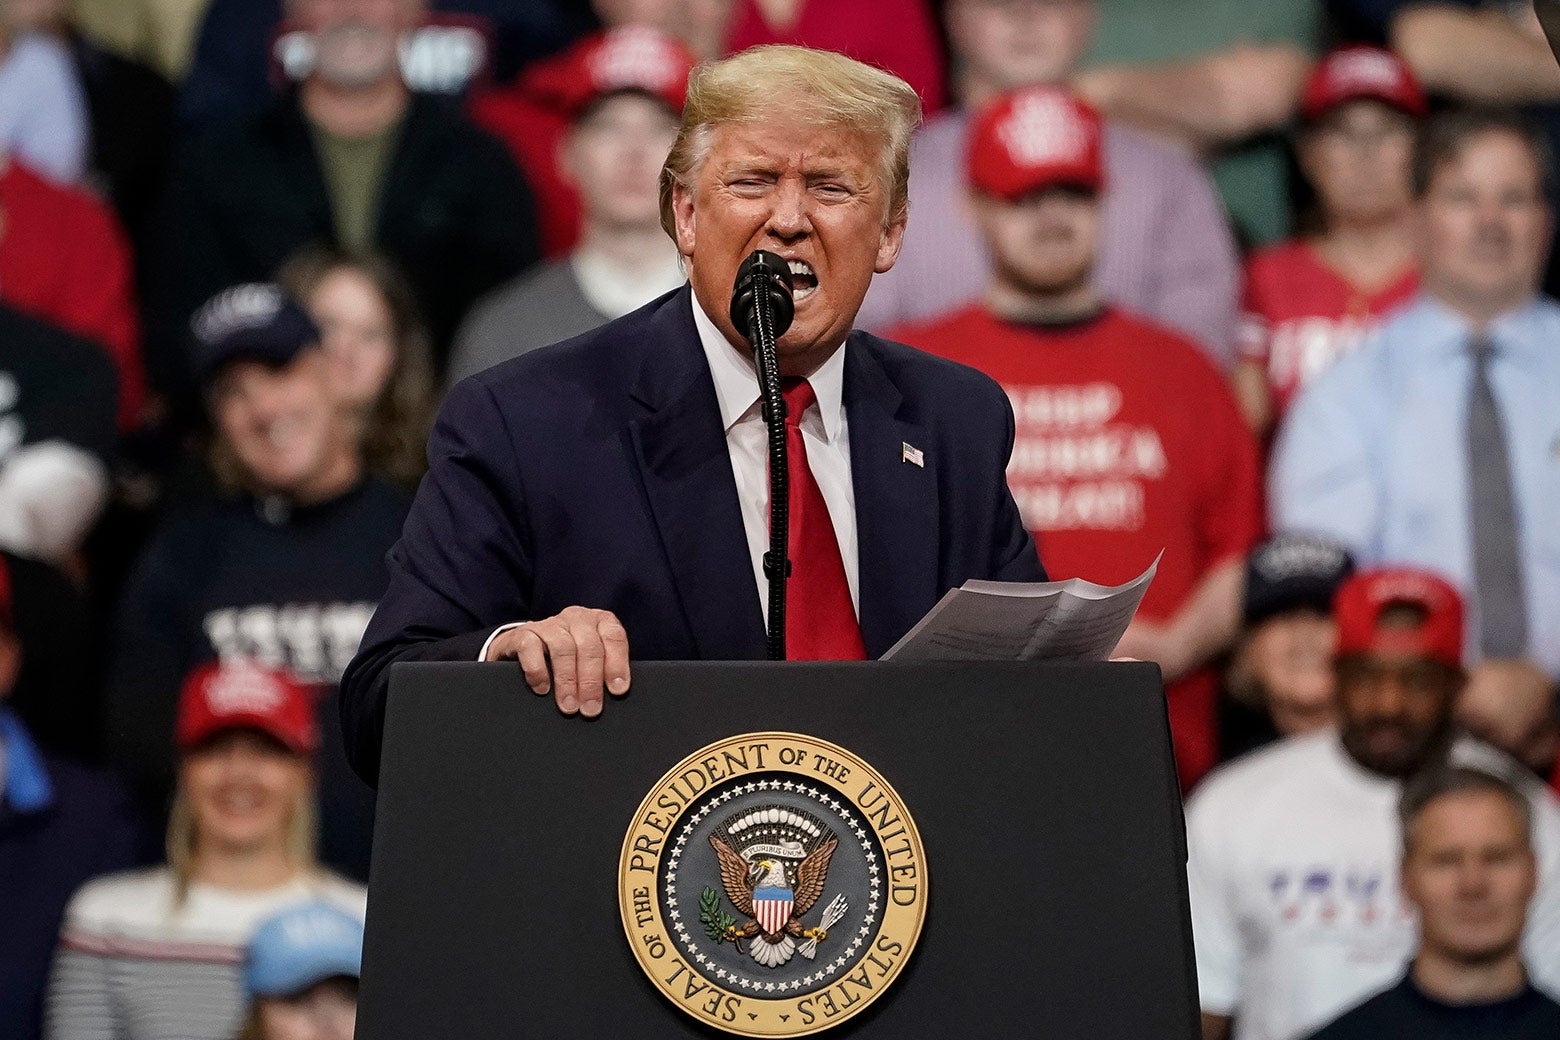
x=244, y=695
x=1364, y=598
x=1361, y=72
x=630, y=58
x=1034, y=139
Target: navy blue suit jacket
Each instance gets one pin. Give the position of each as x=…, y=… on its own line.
x=596, y=473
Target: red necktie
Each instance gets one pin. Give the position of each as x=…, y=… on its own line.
x=820, y=620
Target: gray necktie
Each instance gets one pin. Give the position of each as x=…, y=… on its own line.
x=1492, y=511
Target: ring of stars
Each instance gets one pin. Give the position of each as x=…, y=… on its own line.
x=687, y=940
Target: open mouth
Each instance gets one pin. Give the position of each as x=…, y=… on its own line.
x=803, y=280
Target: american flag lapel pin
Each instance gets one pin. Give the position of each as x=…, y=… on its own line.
x=911, y=454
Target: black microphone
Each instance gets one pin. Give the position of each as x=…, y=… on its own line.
x=762, y=309
x=762, y=273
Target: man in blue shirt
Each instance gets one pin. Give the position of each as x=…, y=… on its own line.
x=1438, y=443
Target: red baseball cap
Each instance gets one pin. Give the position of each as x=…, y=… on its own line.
x=1033, y=139
x=243, y=695
x=1351, y=73
x=632, y=58
x=1363, y=598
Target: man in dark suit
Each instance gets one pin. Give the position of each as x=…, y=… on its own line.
x=612, y=489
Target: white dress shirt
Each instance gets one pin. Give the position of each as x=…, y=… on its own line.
x=825, y=432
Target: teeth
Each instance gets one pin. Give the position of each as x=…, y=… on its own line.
x=801, y=268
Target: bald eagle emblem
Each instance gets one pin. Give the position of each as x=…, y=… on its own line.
x=774, y=863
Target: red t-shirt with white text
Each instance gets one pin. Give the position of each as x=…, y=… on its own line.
x=1128, y=441
x=1299, y=315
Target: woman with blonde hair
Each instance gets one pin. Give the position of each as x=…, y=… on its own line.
x=377, y=348
x=156, y=954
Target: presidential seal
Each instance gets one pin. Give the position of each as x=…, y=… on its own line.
x=772, y=884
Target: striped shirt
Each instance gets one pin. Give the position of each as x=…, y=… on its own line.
x=1166, y=251
x=134, y=964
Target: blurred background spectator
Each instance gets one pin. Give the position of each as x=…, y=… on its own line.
x=1220, y=78
x=378, y=353
x=1435, y=443
x=301, y=975
x=1314, y=298
x=60, y=825
x=57, y=442
x=1469, y=871
x=1293, y=851
x=1128, y=441
x=1280, y=680
x=547, y=118
x=64, y=260
x=1489, y=52
x=1165, y=250
x=229, y=74
x=1511, y=704
x=43, y=112
x=155, y=954
x=350, y=157
x=58, y=693
x=285, y=571
x=624, y=92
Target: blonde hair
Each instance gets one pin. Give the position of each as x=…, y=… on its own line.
x=828, y=89
x=302, y=840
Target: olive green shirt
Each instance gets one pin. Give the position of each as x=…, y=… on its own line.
x=354, y=170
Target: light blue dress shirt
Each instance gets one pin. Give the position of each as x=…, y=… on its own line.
x=1373, y=452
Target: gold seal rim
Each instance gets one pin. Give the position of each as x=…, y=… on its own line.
x=632, y=932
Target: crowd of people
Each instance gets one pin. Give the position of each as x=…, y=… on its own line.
x=1267, y=286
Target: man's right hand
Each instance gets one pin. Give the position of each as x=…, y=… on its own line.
x=574, y=655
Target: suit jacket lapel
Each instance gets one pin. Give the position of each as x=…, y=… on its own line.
x=686, y=468
x=897, y=517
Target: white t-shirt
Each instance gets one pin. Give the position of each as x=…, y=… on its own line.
x=1293, y=863
x=137, y=963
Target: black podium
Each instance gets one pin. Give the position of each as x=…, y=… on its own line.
x=1045, y=798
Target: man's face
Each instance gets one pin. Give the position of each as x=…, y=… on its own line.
x=1290, y=656
x=1359, y=160
x=613, y=156
x=1395, y=710
x=1469, y=869
x=1511, y=704
x=356, y=41
x=282, y=424
x=812, y=194
x=1020, y=43
x=1484, y=224
x=1043, y=244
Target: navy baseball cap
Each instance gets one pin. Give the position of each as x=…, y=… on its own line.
x=259, y=321
x=1291, y=571
x=302, y=946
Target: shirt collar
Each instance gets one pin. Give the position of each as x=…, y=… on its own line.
x=27, y=786
x=736, y=381
x=1513, y=332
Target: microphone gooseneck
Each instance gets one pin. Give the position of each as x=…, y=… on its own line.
x=762, y=309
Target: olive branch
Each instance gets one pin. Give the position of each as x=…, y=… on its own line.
x=716, y=923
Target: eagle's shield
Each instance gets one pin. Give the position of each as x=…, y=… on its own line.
x=772, y=908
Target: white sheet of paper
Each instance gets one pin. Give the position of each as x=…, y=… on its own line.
x=1072, y=620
